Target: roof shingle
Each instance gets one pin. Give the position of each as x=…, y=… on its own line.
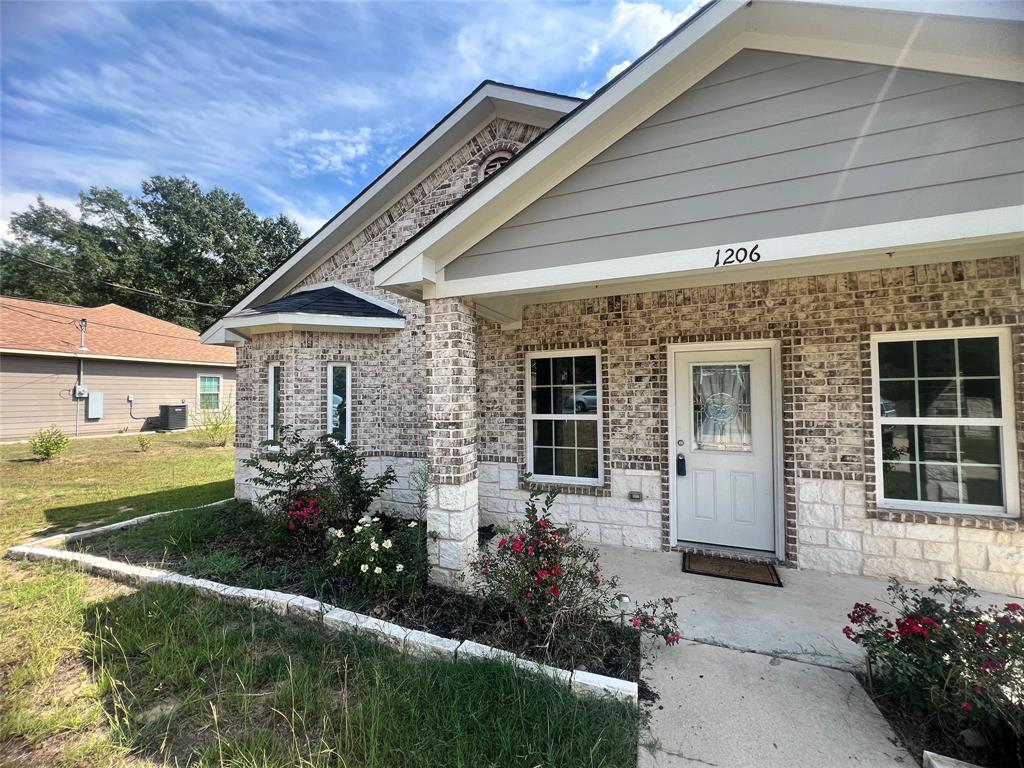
x=111, y=331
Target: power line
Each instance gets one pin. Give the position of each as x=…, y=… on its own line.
x=121, y=287
x=68, y=321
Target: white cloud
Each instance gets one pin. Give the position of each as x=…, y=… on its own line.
x=617, y=70
x=326, y=151
x=634, y=28
x=19, y=201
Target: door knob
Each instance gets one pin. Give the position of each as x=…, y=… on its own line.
x=680, y=465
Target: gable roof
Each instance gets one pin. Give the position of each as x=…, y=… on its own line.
x=983, y=47
x=487, y=101
x=326, y=301
x=112, y=331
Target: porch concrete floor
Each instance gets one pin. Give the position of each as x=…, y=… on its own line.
x=762, y=678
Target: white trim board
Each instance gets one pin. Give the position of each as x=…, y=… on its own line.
x=775, y=348
x=975, y=228
x=308, y=321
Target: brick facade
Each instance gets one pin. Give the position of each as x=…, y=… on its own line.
x=823, y=325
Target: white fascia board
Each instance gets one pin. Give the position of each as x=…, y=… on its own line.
x=218, y=335
x=277, y=321
x=969, y=46
x=432, y=150
x=954, y=229
x=349, y=290
x=118, y=358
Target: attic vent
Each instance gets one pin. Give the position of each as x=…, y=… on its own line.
x=494, y=163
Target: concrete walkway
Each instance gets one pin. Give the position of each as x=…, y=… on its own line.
x=762, y=679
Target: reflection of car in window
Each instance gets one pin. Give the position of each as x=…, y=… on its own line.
x=582, y=402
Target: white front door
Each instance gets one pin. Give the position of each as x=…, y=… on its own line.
x=724, y=448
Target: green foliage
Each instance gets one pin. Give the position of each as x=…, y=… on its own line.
x=320, y=481
x=947, y=662
x=383, y=562
x=145, y=442
x=344, y=491
x=49, y=442
x=173, y=239
x=215, y=427
x=554, y=587
x=284, y=469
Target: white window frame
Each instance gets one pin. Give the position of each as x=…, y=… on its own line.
x=598, y=417
x=331, y=367
x=1011, y=488
x=200, y=393
x=273, y=372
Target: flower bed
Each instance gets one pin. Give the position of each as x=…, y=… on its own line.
x=538, y=592
x=948, y=673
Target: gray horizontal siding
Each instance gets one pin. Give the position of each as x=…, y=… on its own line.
x=35, y=392
x=771, y=145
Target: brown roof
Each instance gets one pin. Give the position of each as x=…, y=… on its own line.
x=111, y=331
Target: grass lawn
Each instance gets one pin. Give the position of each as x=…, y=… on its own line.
x=93, y=673
x=102, y=480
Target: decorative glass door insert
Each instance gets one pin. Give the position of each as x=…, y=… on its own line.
x=721, y=407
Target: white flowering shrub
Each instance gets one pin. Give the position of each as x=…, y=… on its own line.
x=384, y=557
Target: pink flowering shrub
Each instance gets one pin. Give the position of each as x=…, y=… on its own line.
x=557, y=595
x=952, y=663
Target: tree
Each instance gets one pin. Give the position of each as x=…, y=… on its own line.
x=173, y=240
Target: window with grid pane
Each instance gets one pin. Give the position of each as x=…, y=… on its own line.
x=564, y=422
x=209, y=393
x=944, y=428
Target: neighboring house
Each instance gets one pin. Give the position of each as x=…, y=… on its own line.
x=760, y=294
x=129, y=365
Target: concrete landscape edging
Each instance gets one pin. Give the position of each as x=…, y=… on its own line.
x=411, y=641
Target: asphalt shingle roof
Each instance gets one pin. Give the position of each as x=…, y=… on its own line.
x=325, y=301
x=111, y=331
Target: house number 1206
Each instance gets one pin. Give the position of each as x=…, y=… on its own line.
x=737, y=255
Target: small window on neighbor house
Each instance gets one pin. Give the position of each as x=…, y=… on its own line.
x=564, y=417
x=944, y=422
x=209, y=393
x=494, y=163
x=275, y=405
x=339, y=413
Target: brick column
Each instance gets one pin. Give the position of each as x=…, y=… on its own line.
x=451, y=435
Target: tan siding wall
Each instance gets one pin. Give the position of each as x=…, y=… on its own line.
x=36, y=392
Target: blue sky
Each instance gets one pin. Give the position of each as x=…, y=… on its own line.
x=294, y=105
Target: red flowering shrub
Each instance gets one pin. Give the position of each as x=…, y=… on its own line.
x=953, y=664
x=555, y=589
x=304, y=513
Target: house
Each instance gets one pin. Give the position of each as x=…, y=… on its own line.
x=102, y=370
x=761, y=294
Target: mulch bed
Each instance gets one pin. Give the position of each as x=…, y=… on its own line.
x=283, y=567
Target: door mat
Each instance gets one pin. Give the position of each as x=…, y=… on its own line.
x=737, y=570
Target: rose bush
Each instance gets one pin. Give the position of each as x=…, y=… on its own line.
x=553, y=585
x=949, y=662
x=383, y=557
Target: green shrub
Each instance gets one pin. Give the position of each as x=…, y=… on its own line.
x=145, y=442
x=314, y=483
x=49, y=442
x=216, y=427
